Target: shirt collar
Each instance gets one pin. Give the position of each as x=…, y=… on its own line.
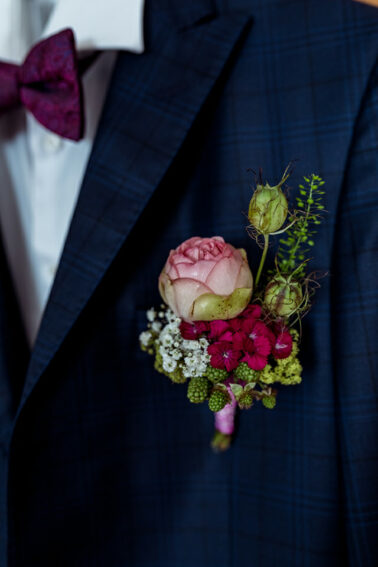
x=100, y=24
x=97, y=24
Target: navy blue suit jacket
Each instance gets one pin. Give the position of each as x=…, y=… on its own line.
x=104, y=462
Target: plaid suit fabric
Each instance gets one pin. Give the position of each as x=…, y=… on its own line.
x=108, y=463
x=354, y=308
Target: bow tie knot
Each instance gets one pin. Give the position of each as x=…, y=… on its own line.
x=48, y=84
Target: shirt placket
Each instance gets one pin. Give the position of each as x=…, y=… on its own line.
x=45, y=148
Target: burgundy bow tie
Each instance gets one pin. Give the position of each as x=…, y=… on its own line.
x=48, y=85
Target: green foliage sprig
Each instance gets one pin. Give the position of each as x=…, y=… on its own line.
x=298, y=240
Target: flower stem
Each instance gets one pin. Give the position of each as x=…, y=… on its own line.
x=220, y=442
x=262, y=261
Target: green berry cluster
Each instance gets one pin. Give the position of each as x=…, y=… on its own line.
x=269, y=401
x=216, y=374
x=245, y=401
x=218, y=400
x=198, y=389
x=244, y=372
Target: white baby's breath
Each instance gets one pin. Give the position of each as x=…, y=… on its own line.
x=171, y=317
x=151, y=314
x=190, y=345
x=156, y=326
x=145, y=338
x=190, y=362
x=169, y=364
x=189, y=356
x=166, y=340
x=163, y=351
x=189, y=372
x=171, y=328
x=176, y=354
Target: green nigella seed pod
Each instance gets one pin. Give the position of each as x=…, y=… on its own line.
x=198, y=389
x=269, y=401
x=268, y=208
x=218, y=400
x=283, y=297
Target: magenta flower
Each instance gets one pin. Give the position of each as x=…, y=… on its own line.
x=236, y=323
x=224, y=355
x=254, y=329
x=283, y=345
x=192, y=331
x=251, y=312
x=256, y=352
x=238, y=340
x=219, y=329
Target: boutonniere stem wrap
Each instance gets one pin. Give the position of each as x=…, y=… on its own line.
x=232, y=340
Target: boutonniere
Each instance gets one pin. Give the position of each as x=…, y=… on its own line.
x=230, y=339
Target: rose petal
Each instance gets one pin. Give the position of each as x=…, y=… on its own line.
x=169, y=295
x=182, y=294
x=163, y=279
x=223, y=276
x=244, y=277
x=177, y=258
x=172, y=272
x=209, y=307
x=193, y=253
x=198, y=271
x=187, y=244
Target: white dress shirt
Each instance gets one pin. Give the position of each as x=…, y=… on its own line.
x=41, y=173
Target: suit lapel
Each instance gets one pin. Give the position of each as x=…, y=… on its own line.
x=152, y=103
x=14, y=349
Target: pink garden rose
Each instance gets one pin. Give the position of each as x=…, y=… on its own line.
x=206, y=279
